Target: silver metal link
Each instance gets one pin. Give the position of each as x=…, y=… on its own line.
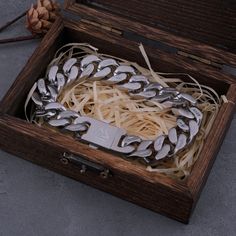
x=77, y=127
x=67, y=115
x=67, y=66
x=42, y=87
x=163, y=152
x=37, y=100
x=107, y=63
x=52, y=74
x=60, y=82
x=130, y=139
x=142, y=153
x=116, y=79
x=182, y=141
x=144, y=145
x=172, y=135
x=125, y=69
x=158, y=143
x=182, y=125
x=59, y=123
x=98, y=133
x=102, y=73
x=73, y=74
x=87, y=71
x=88, y=60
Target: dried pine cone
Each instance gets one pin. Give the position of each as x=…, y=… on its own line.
x=41, y=16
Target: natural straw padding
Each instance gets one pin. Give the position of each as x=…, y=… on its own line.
x=109, y=104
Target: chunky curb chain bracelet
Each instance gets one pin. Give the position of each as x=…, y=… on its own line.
x=100, y=134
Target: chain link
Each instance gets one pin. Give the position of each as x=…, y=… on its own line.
x=112, y=72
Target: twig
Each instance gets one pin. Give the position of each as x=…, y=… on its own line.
x=18, y=39
x=12, y=21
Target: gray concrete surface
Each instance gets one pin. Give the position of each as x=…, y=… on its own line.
x=35, y=201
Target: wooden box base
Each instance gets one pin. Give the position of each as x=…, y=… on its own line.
x=175, y=199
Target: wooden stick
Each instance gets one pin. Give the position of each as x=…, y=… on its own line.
x=18, y=39
x=12, y=21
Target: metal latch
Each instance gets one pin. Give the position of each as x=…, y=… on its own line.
x=85, y=165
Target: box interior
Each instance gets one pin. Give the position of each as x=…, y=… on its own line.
x=108, y=46
x=114, y=45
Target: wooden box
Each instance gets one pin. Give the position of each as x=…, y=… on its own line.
x=182, y=36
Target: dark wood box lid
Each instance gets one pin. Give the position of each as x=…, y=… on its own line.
x=212, y=22
x=203, y=31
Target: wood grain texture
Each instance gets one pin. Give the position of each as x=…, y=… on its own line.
x=130, y=181
x=112, y=44
x=161, y=61
x=211, y=21
x=181, y=42
x=202, y=167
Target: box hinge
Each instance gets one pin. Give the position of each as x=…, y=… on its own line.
x=105, y=27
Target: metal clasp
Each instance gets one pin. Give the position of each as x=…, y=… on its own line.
x=104, y=135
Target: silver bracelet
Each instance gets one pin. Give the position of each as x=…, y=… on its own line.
x=104, y=135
